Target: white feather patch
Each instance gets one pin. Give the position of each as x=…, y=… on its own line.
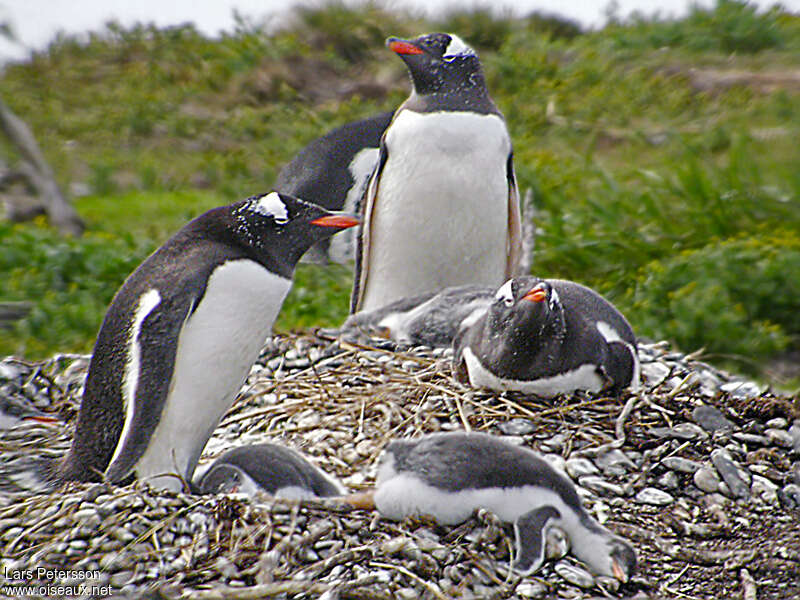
x=505, y=293
x=271, y=205
x=584, y=377
x=147, y=302
x=457, y=48
x=342, y=247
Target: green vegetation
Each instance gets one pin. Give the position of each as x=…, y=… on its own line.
x=662, y=155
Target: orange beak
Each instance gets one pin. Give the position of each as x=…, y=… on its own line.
x=618, y=572
x=339, y=221
x=537, y=294
x=40, y=419
x=403, y=47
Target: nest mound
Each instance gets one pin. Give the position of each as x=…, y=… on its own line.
x=696, y=471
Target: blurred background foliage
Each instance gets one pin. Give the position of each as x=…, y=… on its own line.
x=662, y=155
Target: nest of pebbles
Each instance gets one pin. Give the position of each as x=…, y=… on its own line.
x=699, y=470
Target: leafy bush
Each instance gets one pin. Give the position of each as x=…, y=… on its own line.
x=730, y=26
x=736, y=297
x=71, y=281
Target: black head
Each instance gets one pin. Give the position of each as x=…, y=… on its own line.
x=446, y=69
x=623, y=560
x=221, y=479
x=526, y=308
x=276, y=229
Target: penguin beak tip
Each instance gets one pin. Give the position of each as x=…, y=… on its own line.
x=339, y=221
x=536, y=295
x=618, y=571
x=402, y=47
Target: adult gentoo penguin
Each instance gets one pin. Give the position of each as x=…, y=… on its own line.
x=269, y=468
x=333, y=171
x=450, y=475
x=430, y=319
x=547, y=337
x=181, y=335
x=441, y=208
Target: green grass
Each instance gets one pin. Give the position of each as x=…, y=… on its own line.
x=679, y=202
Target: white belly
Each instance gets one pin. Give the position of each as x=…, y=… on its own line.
x=441, y=214
x=216, y=348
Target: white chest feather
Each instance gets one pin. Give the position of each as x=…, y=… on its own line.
x=439, y=215
x=216, y=348
x=361, y=167
x=584, y=377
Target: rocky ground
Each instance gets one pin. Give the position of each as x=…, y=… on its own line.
x=700, y=471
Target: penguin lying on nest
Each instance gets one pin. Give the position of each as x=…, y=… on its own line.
x=267, y=468
x=181, y=335
x=430, y=319
x=450, y=475
x=441, y=208
x=547, y=337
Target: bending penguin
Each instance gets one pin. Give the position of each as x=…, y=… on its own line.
x=181, y=335
x=441, y=208
x=268, y=468
x=547, y=337
x=450, y=475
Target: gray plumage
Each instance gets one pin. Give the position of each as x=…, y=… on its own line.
x=274, y=469
x=547, y=337
x=450, y=475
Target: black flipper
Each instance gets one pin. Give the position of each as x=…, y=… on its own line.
x=530, y=531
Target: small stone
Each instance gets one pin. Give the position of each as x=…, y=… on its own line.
x=614, y=460
x=600, y=485
x=556, y=461
x=120, y=578
x=556, y=543
x=575, y=575
x=764, y=489
x=730, y=474
x=794, y=431
x=654, y=373
x=681, y=431
x=654, y=496
x=669, y=480
x=532, y=589
x=711, y=419
x=516, y=427
x=707, y=480
x=577, y=467
x=779, y=437
x=789, y=496
x=743, y=390
x=682, y=465
x=751, y=439
x=777, y=423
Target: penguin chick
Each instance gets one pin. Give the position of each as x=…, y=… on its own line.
x=268, y=468
x=441, y=208
x=430, y=319
x=181, y=335
x=450, y=475
x=547, y=337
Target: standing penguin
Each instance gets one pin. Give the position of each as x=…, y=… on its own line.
x=450, y=475
x=547, y=337
x=181, y=335
x=441, y=208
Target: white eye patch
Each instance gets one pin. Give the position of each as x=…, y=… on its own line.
x=457, y=48
x=554, y=300
x=271, y=205
x=505, y=293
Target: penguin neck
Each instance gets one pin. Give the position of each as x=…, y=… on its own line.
x=469, y=97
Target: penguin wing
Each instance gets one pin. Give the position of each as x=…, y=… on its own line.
x=363, y=245
x=514, y=239
x=147, y=380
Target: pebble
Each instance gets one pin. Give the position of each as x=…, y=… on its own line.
x=654, y=496
x=575, y=575
x=600, y=485
x=669, y=480
x=777, y=423
x=789, y=496
x=730, y=474
x=682, y=465
x=531, y=589
x=614, y=462
x=707, y=480
x=577, y=467
x=654, y=373
x=764, y=489
x=516, y=427
x=779, y=437
x=682, y=431
x=794, y=431
x=751, y=439
x=711, y=419
x=741, y=390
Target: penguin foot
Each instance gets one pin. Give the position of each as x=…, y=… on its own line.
x=362, y=500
